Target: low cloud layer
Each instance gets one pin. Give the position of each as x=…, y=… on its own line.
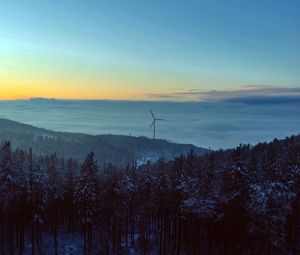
x=215, y=125
x=254, y=94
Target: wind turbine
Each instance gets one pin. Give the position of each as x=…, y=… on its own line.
x=154, y=123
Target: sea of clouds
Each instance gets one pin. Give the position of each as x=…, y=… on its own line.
x=212, y=124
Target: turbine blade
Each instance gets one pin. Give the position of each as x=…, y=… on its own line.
x=152, y=124
x=152, y=114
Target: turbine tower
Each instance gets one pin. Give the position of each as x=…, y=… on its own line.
x=154, y=123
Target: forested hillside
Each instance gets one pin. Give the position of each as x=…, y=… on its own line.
x=116, y=149
x=240, y=201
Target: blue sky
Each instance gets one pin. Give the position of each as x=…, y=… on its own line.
x=130, y=49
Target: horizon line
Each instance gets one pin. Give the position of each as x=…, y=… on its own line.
x=101, y=99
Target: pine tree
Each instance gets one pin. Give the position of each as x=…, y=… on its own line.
x=86, y=198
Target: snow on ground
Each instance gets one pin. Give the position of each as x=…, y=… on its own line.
x=68, y=244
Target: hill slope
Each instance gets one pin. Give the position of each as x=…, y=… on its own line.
x=116, y=149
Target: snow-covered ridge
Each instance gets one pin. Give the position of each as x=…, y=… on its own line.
x=116, y=149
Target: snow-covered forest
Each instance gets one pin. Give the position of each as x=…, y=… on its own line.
x=240, y=201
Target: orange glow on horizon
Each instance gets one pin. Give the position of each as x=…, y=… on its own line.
x=23, y=91
x=81, y=86
x=62, y=94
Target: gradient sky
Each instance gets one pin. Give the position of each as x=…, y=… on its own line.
x=132, y=49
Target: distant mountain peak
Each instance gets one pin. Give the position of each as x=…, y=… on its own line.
x=41, y=99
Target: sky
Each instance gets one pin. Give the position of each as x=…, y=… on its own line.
x=149, y=50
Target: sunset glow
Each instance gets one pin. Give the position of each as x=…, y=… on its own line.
x=127, y=51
